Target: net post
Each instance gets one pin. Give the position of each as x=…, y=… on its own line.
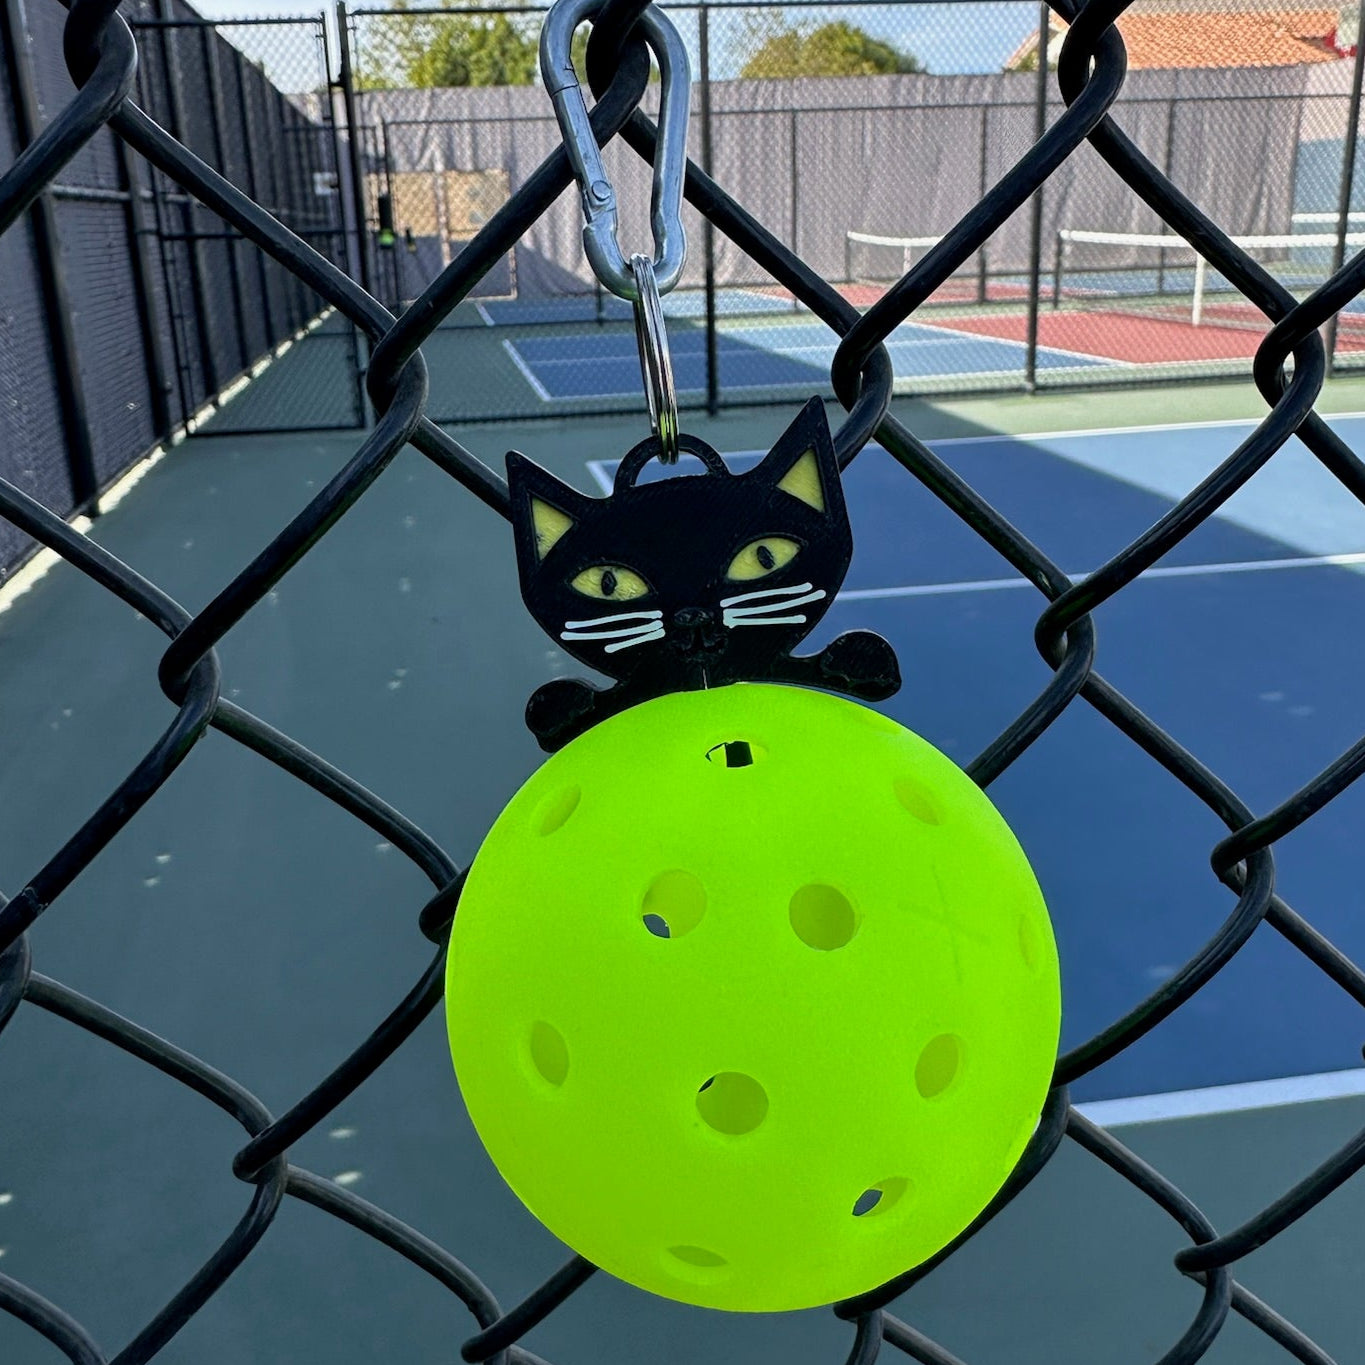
x=1347, y=187
x=1035, y=227
x=207, y=34
x=1201, y=274
x=1058, y=252
x=75, y=419
x=358, y=213
x=708, y=231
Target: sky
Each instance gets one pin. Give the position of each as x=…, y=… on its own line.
x=947, y=38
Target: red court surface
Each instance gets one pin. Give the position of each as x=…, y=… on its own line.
x=1140, y=338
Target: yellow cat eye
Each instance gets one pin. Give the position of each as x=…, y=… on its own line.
x=610, y=583
x=761, y=557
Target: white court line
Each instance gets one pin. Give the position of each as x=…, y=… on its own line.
x=959, y=335
x=1074, y=433
x=484, y=314
x=1114, y=431
x=1162, y=571
x=527, y=373
x=1225, y=1099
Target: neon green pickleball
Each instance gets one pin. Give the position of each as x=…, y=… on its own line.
x=755, y=1035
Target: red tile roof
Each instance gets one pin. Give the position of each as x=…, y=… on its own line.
x=1217, y=38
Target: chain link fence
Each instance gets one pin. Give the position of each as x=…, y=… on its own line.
x=115, y=261
x=1289, y=366
x=250, y=98
x=796, y=111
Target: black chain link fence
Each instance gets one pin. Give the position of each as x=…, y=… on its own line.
x=100, y=51
x=133, y=313
x=797, y=109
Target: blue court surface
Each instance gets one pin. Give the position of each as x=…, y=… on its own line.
x=1244, y=644
x=796, y=355
x=604, y=307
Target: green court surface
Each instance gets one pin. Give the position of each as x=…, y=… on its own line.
x=254, y=923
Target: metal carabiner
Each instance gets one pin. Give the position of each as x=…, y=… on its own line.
x=670, y=155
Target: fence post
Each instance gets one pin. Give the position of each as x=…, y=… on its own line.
x=189, y=228
x=1035, y=244
x=80, y=452
x=207, y=35
x=338, y=245
x=353, y=136
x=708, y=232
x=1168, y=162
x=253, y=188
x=158, y=386
x=983, y=184
x=1348, y=168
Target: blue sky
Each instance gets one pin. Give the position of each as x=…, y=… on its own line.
x=948, y=38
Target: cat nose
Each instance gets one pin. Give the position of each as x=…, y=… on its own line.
x=690, y=617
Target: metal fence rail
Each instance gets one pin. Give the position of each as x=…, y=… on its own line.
x=1090, y=74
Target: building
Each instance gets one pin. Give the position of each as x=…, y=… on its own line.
x=1170, y=34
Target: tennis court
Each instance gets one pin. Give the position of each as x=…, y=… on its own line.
x=173, y=916
x=1286, y=558
x=795, y=355
x=249, y=460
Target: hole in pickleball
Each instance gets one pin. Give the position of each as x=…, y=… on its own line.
x=554, y=811
x=731, y=1102
x=698, y=1257
x=938, y=1065
x=549, y=1052
x=917, y=801
x=822, y=917
x=866, y=1202
x=674, y=904
x=1030, y=949
x=881, y=1197
x=736, y=753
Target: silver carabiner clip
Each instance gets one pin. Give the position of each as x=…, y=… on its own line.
x=670, y=156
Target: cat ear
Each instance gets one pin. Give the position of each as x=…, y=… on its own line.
x=543, y=508
x=802, y=462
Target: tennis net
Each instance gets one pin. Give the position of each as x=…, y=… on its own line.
x=1163, y=272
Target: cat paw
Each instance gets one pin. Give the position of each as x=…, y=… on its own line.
x=560, y=711
x=862, y=664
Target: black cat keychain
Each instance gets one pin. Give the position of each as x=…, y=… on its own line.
x=751, y=993
x=696, y=581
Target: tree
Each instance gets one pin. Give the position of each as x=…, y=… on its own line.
x=426, y=50
x=833, y=49
x=472, y=50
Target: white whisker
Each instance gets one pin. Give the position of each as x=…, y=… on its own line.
x=759, y=608
x=729, y=619
x=656, y=634
x=640, y=628
x=794, y=591
x=616, y=618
